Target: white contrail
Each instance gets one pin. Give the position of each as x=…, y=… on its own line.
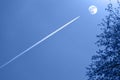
x=51, y=34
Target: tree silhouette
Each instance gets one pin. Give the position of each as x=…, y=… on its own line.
x=105, y=64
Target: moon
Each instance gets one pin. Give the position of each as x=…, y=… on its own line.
x=93, y=9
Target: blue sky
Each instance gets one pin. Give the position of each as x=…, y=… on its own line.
x=65, y=55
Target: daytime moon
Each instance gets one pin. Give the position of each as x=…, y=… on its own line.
x=92, y=9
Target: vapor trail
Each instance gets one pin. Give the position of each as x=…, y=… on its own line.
x=51, y=34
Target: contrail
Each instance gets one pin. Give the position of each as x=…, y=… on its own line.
x=51, y=34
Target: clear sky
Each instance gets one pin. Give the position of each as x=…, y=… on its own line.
x=65, y=55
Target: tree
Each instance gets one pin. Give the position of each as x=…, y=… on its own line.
x=105, y=64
